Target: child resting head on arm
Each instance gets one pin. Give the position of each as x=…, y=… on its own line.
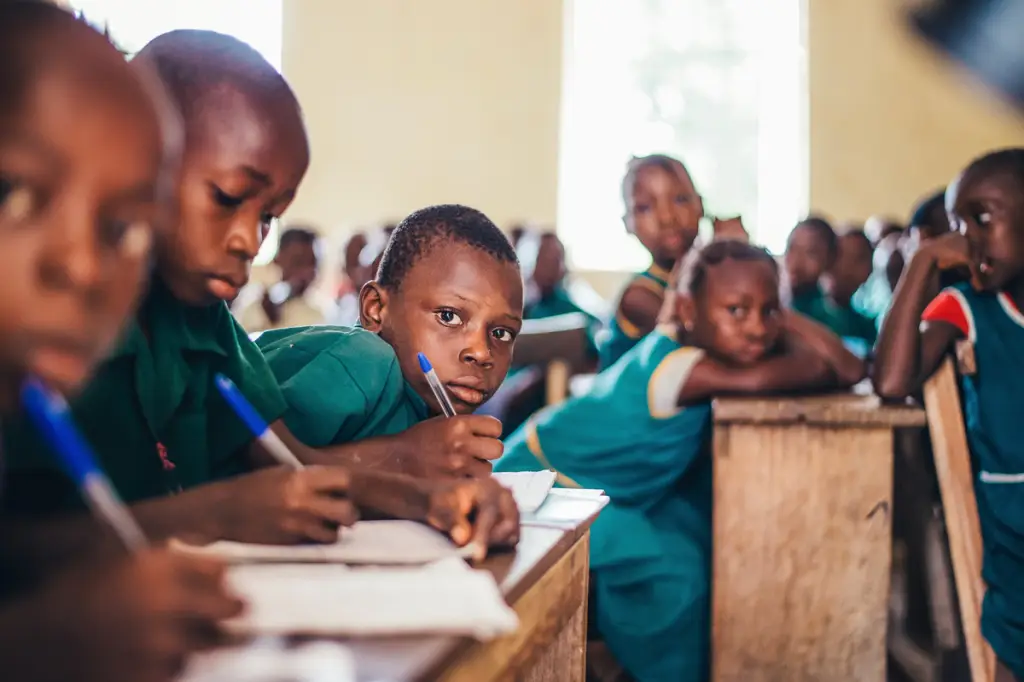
x=642, y=435
x=448, y=287
x=663, y=211
x=152, y=413
x=85, y=171
x=986, y=205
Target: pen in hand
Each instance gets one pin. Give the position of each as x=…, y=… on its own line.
x=252, y=419
x=435, y=386
x=49, y=412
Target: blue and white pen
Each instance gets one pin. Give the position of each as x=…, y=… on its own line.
x=50, y=414
x=435, y=386
x=248, y=414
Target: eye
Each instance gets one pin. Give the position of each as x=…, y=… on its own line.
x=224, y=199
x=503, y=335
x=448, y=317
x=737, y=310
x=983, y=218
x=17, y=201
x=683, y=199
x=641, y=208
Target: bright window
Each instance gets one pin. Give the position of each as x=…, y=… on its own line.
x=133, y=23
x=719, y=84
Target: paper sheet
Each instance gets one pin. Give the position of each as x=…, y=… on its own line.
x=367, y=542
x=530, y=488
x=319, y=599
x=566, y=508
x=268, y=660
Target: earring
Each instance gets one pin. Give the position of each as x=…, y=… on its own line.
x=688, y=326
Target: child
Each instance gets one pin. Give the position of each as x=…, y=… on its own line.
x=811, y=251
x=286, y=304
x=642, y=434
x=663, y=211
x=851, y=270
x=986, y=203
x=83, y=180
x=354, y=274
x=157, y=423
x=449, y=287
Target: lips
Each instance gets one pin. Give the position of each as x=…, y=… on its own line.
x=224, y=288
x=470, y=395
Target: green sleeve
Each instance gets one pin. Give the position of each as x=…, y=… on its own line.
x=339, y=386
x=245, y=365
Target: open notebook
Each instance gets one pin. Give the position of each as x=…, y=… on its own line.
x=324, y=599
x=530, y=488
x=367, y=542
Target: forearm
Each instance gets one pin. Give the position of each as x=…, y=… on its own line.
x=847, y=367
x=897, y=366
x=383, y=453
x=32, y=548
x=28, y=652
x=387, y=495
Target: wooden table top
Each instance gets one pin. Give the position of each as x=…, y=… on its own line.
x=415, y=659
x=851, y=409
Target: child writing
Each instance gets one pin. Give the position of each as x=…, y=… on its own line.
x=642, y=434
x=84, y=175
x=663, y=211
x=448, y=287
x=986, y=205
x=152, y=414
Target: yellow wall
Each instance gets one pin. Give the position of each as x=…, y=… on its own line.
x=418, y=102
x=889, y=119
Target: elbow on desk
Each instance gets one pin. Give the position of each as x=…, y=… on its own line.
x=891, y=387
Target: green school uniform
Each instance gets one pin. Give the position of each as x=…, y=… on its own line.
x=341, y=384
x=623, y=334
x=152, y=413
x=856, y=330
x=651, y=546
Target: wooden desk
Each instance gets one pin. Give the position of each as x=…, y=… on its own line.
x=802, y=537
x=545, y=580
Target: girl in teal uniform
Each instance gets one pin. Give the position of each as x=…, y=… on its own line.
x=988, y=207
x=650, y=548
x=663, y=211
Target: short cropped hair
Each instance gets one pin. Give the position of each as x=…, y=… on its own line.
x=638, y=163
x=718, y=252
x=428, y=228
x=300, y=235
x=823, y=229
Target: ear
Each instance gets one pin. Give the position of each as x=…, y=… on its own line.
x=373, y=304
x=686, y=311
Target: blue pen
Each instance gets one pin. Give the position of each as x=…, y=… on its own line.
x=435, y=386
x=50, y=414
x=248, y=414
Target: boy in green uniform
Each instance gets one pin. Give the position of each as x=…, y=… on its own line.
x=448, y=287
x=83, y=180
x=151, y=413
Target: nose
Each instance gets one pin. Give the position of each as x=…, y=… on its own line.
x=478, y=350
x=71, y=257
x=757, y=328
x=245, y=237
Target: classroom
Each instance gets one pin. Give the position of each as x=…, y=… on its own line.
x=540, y=341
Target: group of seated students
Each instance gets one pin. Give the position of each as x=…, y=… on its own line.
x=136, y=196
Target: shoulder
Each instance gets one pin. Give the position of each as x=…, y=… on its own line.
x=953, y=306
x=330, y=349
x=672, y=369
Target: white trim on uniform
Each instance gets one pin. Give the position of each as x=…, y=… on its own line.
x=668, y=379
x=1010, y=308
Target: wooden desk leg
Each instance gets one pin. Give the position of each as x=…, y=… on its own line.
x=551, y=642
x=802, y=551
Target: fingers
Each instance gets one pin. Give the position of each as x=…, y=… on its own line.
x=482, y=425
x=488, y=513
x=332, y=512
x=485, y=448
x=506, y=531
x=324, y=479
x=477, y=468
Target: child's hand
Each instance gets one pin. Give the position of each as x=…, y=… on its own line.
x=135, y=621
x=730, y=228
x=462, y=445
x=950, y=251
x=282, y=506
x=481, y=511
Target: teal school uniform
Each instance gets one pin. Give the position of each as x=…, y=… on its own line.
x=623, y=334
x=858, y=331
x=341, y=384
x=650, y=547
x=152, y=413
x=993, y=405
